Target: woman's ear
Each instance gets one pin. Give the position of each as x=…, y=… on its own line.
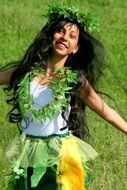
x=76, y=49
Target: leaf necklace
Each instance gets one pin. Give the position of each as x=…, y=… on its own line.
x=59, y=85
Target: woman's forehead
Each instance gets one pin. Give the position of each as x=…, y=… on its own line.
x=72, y=27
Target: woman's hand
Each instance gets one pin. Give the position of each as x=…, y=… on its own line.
x=93, y=101
x=5, y=75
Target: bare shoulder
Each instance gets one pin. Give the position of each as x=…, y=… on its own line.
x=84, y=90
x=89, y=96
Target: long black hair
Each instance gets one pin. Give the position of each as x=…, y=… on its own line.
x=87, y=61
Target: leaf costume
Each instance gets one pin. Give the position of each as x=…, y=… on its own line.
x=64, y=153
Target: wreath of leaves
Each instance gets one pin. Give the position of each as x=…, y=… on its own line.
x=83, y=16
x=59, y=85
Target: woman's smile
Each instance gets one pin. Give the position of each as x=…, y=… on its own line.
x=61, y=45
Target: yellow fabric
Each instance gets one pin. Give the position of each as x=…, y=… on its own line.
x=71, y=174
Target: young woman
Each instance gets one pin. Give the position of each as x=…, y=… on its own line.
x=51, y=86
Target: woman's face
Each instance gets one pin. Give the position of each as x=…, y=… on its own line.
x=65, y=41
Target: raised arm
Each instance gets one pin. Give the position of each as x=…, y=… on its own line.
x=93, y=101
x=5, y=75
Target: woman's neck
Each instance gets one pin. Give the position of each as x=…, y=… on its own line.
x=56, y=62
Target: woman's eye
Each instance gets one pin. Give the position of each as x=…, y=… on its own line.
x=60, y=31
x=72, y=36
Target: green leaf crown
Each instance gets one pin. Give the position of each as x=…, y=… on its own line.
x=84, y=17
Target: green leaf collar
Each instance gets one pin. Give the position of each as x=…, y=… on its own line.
x=59, y=86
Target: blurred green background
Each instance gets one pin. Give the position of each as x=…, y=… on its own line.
x=20, y=21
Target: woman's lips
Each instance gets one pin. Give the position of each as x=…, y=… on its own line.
x=61, y=45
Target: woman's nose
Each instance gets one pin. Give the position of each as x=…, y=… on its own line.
x=65, y=36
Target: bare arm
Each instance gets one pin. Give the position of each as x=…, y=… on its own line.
x=5, y=75
x=93, y=101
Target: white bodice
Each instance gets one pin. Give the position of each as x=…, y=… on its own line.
x=41, y=96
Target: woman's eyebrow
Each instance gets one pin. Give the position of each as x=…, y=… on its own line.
x=74, y=32
x=71, y=30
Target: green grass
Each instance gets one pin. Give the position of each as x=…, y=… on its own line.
x=19, y=23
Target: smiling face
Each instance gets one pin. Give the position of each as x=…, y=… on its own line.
x=65, y=41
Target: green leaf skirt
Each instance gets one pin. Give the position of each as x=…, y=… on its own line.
x=54, y=162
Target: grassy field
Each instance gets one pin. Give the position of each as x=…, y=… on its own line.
x=19, y=23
